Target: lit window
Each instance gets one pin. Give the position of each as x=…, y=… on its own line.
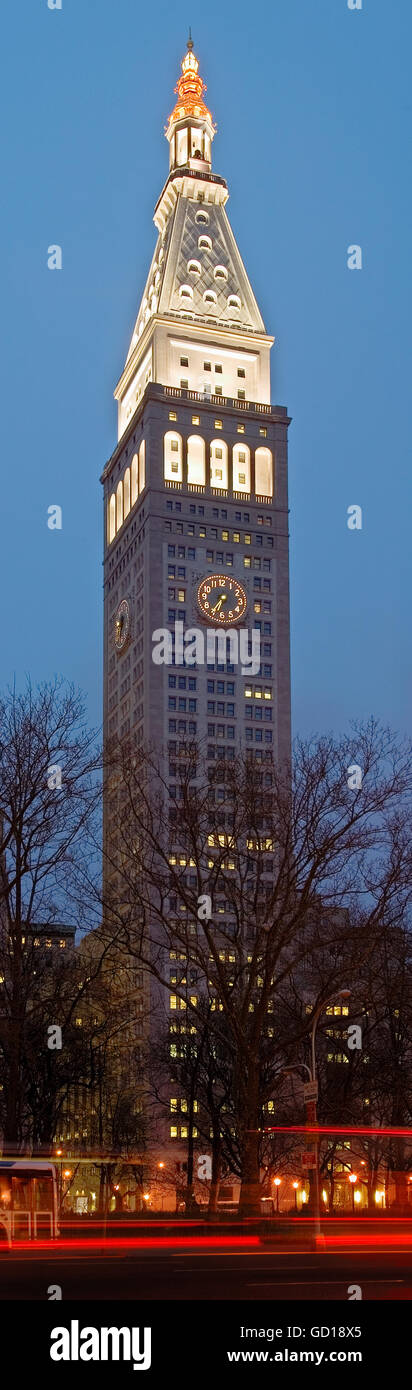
x=172, y=415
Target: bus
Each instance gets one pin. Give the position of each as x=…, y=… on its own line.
x=28, y=1199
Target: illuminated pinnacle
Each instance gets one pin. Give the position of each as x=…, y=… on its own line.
x=190, y=89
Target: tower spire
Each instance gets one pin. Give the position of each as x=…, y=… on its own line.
x=189, y=92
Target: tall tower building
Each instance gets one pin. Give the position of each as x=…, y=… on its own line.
x=195, y=493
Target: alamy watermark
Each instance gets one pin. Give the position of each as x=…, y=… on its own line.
x=180, y=647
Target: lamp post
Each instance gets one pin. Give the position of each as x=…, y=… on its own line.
x=277, y=1182
x=311, y=1111
x=353, y=1178
x=295, y=1185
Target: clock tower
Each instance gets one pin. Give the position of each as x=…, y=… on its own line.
x=195, y=493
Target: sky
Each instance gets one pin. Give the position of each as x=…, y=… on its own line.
x=313, y=106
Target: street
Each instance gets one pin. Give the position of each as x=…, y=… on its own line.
x=198, y=1274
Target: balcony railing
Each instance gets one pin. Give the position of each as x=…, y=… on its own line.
x=203, y=397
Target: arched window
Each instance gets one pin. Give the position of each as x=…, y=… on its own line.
x=221, y=273
x=202, y=216
x=111, y=518
x=126, y=493
x=264, y=473
x=135, y=479
x=186, y=292
x=142, y=466
x=205, y=243
x=119, y=506
x=234, y=302
x=196, y=460
x=241, y=468
x=173, y=457
x=194, y=268
x=218, y=464
x=210, y=297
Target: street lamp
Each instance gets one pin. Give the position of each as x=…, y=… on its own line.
x=277, y=1182
x=353, y=1178
x=295, y=1185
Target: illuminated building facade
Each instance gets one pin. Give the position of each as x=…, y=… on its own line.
x=195, y=493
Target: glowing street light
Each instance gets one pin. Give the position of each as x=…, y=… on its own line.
x=277, y=1182
x=353, y=1178
x=295, y=1186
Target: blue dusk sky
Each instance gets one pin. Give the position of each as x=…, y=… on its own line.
x=313, y=107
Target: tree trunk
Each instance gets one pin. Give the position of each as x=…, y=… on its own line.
x=249, y=1204
x=215, y=1180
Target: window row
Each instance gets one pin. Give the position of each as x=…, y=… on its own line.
x=218, y=464
x=127, y=492
x=241, y=428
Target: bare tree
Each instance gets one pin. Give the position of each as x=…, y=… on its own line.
x=298, y=865
x=49, y=795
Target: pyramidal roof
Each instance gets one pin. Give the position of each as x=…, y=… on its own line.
x=197, y=272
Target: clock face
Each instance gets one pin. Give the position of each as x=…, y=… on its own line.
x=122, y=625
x=221, y=599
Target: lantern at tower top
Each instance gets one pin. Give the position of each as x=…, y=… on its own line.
x=190, y=129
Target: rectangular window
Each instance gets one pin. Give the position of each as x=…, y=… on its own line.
x=195, y=419
x=241, y=372
x=207, y=366
x=172, y=415
x=241, y=395
x=184, y=361
x=184, y=384
x=241, y=429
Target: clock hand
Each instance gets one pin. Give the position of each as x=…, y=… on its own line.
x=218, y=605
